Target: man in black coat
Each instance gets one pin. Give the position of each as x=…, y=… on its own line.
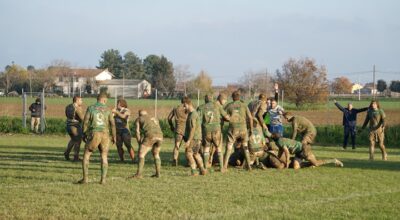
x=349, y=122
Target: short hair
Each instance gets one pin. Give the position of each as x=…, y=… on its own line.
x=208, y=98
x=287, y=114
x=142, y=112
x=275, y=136
x=37, y=100
x=222, y=96
x=123, y=103
x=377, y=103
x=75, y=98
x=262, y=97
x=186, y=100
x=236, y=95
x=183, y=98
x=101, y=96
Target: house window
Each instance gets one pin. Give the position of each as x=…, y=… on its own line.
x=76, y=79
x=60, y=78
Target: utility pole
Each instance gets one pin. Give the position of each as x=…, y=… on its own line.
x=373, y=89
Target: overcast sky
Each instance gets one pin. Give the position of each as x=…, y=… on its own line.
x=224, y=38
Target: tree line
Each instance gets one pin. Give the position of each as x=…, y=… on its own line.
x=303, y=80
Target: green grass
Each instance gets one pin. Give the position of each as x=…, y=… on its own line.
x=35, y=182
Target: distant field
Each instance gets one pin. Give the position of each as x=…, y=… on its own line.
x=327, y=114
x=36, y=183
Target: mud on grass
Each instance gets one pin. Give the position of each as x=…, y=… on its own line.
x=36, y=182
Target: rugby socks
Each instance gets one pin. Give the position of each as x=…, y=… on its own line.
x=157, y=162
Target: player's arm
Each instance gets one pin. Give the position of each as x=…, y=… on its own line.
x=223, y=113
x=294, y=127
x=123, y=115
x=338, y=105
x=80, y=113
x=138, y=135
x=362, y=110
x=31, y=108
x=365, y=121
x=170, y=119
x=382, y=121
x=192, y=125
x=113, y=129
x=260, y=115
x=250, y=120
x=287, y=156
x=86, y=120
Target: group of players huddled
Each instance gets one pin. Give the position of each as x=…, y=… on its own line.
x=254, y=134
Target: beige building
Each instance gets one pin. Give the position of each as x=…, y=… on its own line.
x=92, y=81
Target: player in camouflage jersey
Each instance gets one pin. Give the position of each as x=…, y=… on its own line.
x=180, y=115
x=376, y=118
x=257, y=148
x=291, y=147
x=96, y=129
x=192, y=139
x=303, y=126
x=121, y=117
x=210, y=115
x=149, y=137
x=74, y=115
x=240, y=116
x=257, y=109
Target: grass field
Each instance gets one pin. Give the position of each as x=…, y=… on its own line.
x=36, y=183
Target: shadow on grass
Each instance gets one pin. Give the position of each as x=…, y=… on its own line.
x=48, y=154
x=33, y=166
x=372, y=165
x=359, y=150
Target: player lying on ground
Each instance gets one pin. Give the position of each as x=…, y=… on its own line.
x=301, y=152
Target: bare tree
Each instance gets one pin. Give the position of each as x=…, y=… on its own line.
x=182, y=76
x=303, y=81
x=254, y=83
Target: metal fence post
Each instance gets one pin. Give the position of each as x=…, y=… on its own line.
x=198, y=97
x=23, y=109
x=155, y=105
x=42, y=115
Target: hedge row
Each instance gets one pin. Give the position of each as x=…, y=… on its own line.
x=327, y=135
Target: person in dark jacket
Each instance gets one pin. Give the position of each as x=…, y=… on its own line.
x=36, y=113
x=349, y=122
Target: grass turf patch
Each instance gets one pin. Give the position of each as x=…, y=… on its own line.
x=36, y=182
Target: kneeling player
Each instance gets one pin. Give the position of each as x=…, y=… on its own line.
x=149, y=136
x=288, y=146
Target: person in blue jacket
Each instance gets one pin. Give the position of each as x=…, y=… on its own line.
x=349, y=122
